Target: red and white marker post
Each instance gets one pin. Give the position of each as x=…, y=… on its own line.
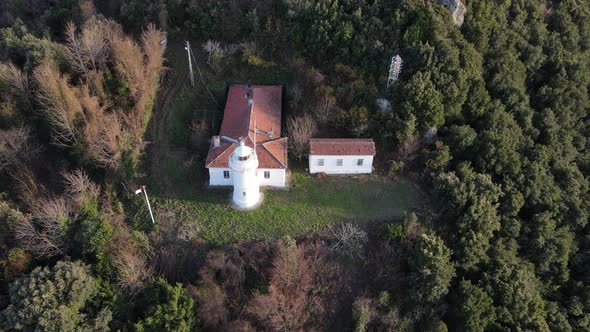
x=139, y=191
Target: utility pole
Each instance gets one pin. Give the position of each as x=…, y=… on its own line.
x=139, y=191
x=190, y=63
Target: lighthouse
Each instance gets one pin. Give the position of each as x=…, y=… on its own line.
x=243, y=164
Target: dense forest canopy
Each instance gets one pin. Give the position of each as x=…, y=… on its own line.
x=490, y=119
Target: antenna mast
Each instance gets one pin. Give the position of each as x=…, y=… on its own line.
x=394, y=69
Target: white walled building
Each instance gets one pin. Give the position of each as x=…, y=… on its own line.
x=253, y=116
x=341, y=155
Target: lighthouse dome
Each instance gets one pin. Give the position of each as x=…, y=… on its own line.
x=243, y=158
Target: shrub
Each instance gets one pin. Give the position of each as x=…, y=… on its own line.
x=169, y=308
x=17, y=263
x=54, y=299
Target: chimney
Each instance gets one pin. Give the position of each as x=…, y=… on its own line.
x=216, y=141
x=250, y=95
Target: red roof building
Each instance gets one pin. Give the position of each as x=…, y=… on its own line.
x=253, y=113
x=342, y=147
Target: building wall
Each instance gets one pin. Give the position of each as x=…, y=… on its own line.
x=277, y=177
x=349, y=164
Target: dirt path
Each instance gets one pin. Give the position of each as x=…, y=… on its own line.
x=175, y=81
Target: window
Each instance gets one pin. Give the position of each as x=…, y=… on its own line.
x=243, y=158
x=320, y=162
x=226, y=174
x=359, y=162
x=267, y=174
x=339, y=162
x=244, y=193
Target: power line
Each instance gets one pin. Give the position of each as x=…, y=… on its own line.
x=192, y=55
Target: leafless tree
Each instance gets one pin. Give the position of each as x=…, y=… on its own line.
x=87, y=51
x=129, y=62
x=130, y=263
x=230, y=49
x=16, y=78
x=60, y=102
x=28, y=189
x=79, y=188
x=296, y=93
x=301, y=129
x=301, y=289
x=211, y=46
x=325, y=107
x=102, y=131
x=15, y=146
x=249, y=48
x=211, y=304
x=44, y=233
x=350, y=240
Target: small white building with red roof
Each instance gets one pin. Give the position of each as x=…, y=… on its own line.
x=253, y=116
x=341, y=155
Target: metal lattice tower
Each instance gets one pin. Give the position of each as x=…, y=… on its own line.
x=394, y=69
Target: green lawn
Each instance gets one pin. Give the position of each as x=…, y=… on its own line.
x=309, y=205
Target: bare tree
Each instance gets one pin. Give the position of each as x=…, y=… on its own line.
x=211, y=46
x=301, y=289
x=26, y=185
x=130, y=263
x=44, y=234
x=350, y=240
x=301, y=129
x=102, y=132
x=129, y=62
x=325, y=107
x=249, y=48
x=231, y=49
x=60, y=102
x=79, y=188
x=15, y=147
x=16, y=78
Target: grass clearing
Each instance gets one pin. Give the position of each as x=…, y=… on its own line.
x=308, y=206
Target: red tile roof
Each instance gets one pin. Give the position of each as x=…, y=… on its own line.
x=239, y=120
x=342, y=147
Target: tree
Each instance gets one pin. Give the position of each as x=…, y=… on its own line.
x=431, y=270
x=301, y=129
x=55, y=299
x=512, y=285
x=168, y=308
x=421, y=98
x=301, y=287
x=473, y=309
x=470, y=202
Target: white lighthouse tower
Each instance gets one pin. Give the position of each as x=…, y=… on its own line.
x=243, y=164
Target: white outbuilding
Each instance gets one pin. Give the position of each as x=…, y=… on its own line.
x=341, y=155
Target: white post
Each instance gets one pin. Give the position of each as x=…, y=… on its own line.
x=190, y=63
x=148, y=204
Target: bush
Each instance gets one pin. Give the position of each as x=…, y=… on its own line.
x=17, y=263
x=169, y=308
x=54, y=299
